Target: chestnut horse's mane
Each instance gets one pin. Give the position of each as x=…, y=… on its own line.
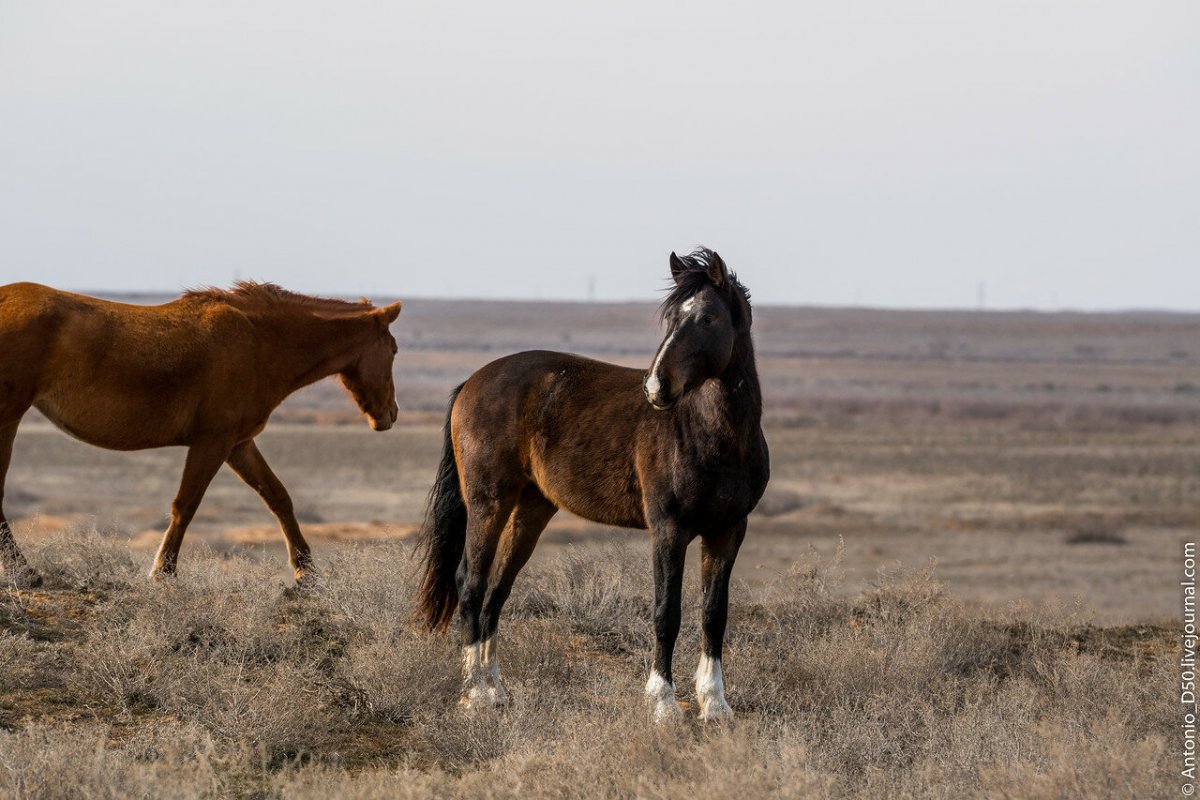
x=696, y=278
x=253, y=293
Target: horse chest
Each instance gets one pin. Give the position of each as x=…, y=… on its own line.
x=720, y=488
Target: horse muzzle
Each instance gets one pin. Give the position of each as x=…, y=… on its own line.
x=385, y=422
x=655, y=396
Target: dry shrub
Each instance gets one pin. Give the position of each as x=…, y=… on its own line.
x=213, y=646
x=221, y=682
x=81, y=763
x=21, y=659
x=602, y=592
x=84, y=557
x=368, y=588
x=400, y=679
x=1104, y=763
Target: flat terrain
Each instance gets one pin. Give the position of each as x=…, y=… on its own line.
x=962, y=582
x=1046, y=459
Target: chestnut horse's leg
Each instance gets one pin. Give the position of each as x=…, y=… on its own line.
x=487, y=515
x=201, y=466
x=717, y=554
x=249, y=465
x=525, y=526
x=11, y=560
x=669, y=546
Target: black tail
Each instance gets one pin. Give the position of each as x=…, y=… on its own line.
x=442, y=538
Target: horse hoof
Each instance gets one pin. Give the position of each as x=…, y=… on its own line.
x=715, y=709
x=474, y=700
x=480, y=699
x=497, y=696
x=667, y=712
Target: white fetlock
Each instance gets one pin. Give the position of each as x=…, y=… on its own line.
x=710, y=690
x=498, y=695
x=475, y=698
x=661, y=693
x=475, y=690
x=483, y=687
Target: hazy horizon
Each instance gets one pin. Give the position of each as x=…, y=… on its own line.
x=865, y=155
x=154, y=296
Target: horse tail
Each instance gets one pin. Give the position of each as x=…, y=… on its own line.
x=442, y=538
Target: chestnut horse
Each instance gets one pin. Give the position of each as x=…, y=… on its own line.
x=678, y=450
x=204, y=372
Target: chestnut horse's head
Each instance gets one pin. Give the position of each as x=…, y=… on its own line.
x=369, y=377
x=705, y=313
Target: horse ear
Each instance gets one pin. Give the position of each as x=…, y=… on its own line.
x=717, y=272
x=677, y=267
x=388, y=314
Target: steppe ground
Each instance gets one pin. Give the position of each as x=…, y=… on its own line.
x=963, y=581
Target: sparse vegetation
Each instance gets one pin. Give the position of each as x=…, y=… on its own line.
x=224, y=683
x=846, y=682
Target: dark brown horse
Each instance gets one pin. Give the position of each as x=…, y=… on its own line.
x=203, y=372
x=678, y=450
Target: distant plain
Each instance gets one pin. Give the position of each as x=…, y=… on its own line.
x=1050, y=460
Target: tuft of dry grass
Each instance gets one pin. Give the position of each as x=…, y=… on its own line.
x=224, y=683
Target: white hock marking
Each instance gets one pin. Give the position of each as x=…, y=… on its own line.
x=661, y=693
x=710, y=690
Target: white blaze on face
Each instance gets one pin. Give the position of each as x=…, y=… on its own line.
x=653, y=382
x=710, y=689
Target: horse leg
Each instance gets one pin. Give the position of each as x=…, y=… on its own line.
x=12, y=562
x=201, y=466
x=487, y=515
x=717, y=554
x=669, y=546
x=248, y=464
x=525, y=526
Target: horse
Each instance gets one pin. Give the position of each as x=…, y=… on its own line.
x=204, y=371
x=678, y=450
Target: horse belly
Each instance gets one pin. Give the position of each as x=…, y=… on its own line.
x=604, y=499
x=128, y=424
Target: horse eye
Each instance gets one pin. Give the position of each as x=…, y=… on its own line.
x=707, y=319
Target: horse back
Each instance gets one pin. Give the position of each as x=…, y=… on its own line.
x=568, y=424
x=118, y=375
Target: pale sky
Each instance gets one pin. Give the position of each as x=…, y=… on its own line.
x=846, y=153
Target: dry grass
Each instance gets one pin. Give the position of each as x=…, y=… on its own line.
x=224, y=683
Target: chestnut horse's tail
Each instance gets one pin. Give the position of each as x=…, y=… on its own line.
x=442, y=538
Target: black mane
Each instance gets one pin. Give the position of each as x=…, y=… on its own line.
x=696, y=278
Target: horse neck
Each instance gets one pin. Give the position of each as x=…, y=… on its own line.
x=307, y=347
x=731, y=407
